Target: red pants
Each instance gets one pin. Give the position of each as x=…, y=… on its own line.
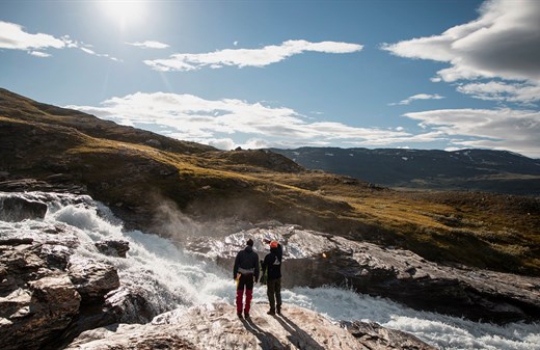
x=246, y=282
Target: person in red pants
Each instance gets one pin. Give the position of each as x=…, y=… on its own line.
x=246, y=273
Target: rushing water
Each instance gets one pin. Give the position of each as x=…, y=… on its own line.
x=173, y=278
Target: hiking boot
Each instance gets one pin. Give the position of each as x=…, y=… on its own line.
x=239, y=315
x=271, y=312
x=278, y=311
x=246, y=315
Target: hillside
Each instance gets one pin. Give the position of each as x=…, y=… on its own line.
x=473, y=170
x=148, y=180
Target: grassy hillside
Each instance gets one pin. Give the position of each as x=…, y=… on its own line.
x=136, y=172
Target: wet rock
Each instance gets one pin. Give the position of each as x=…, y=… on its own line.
x=31, y=185
x=16, y=241
x=113, y=248
x=376, y=337
x=46, y=301
x=93, y=280
x=18, y=209
x=32, y=317
x=128, y=306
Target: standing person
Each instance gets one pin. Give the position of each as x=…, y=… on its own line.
x=246, y=273
x=271, y=267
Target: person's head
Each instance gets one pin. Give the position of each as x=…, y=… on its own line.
x=273, y=244
x=250, y=242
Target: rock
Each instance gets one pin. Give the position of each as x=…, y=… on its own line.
x=31, y=185
x=45, y=301
x=113, y=248
x=18, y=209
x=128, y=306
x=16, y=241
x=216, y=326
x=30, y=318
x=93, y=280
x=153, y=143
x=376, y=337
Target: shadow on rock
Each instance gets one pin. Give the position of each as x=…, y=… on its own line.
x=267, y=340
x=298, y=336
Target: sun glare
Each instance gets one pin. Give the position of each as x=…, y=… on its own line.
x=124, y=12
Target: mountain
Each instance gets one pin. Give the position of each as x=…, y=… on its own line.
x=473, y=170
x=157, y=184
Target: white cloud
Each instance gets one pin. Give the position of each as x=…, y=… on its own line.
x=12, y=36
x=93, y=53
x=225, y=143
x=39, y=54
x=189, y=117
x=500, y=91
x=248, y=57
x=418, y=97
x=503, y=42
x=503, y=129
x=221, y=122
x=149, y=44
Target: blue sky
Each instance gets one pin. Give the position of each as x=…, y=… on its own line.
x=427, y=74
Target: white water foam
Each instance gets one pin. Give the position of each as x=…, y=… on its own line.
x=173, y=278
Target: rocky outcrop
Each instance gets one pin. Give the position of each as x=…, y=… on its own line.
x=376, y=337
x=216, y=326
x=44, y=294
x=56, y=183
x=313, y=259
x=113, y=248
x=18, y=209
x=93, y=280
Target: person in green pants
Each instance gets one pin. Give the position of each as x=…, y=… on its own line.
x=271, y=268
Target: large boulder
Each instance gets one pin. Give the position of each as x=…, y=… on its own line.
x=93, y=280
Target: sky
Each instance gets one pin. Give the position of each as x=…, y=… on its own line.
x=417, y=74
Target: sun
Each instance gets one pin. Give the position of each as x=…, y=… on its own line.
x=124, y=12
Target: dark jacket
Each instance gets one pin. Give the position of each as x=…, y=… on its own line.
x=247, y=262
x=271, y=265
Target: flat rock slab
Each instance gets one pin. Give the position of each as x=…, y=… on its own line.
x=216, y=326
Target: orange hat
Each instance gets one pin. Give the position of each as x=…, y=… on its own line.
x=273, y=244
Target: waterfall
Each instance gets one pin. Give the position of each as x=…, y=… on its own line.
x=172, y=278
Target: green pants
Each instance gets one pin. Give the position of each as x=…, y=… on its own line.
x=274, y=293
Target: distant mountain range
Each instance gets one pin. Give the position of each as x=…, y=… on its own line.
x=473, y=169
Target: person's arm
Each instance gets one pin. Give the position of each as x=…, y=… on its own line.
x=279, y=252
x=236, y=263
x=257, y=271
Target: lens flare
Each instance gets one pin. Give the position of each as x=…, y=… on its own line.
x=124, y=12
